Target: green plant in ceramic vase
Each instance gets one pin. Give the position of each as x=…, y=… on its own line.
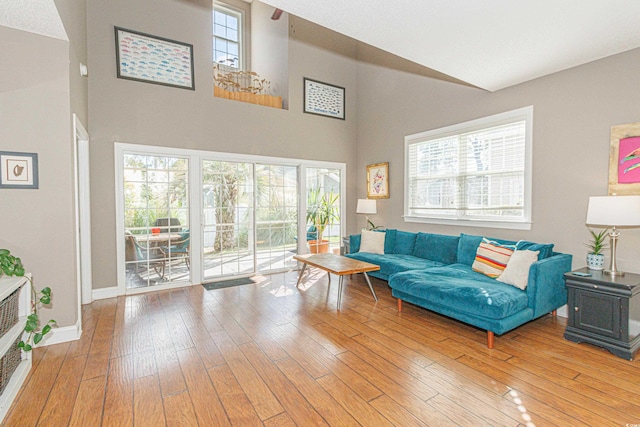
x=11, y=265
x=597, y=244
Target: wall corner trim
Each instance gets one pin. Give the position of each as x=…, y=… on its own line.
x=104, y=293
x=64, y=334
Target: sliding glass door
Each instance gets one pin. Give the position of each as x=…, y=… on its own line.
x=156, y=219
x=276, y=217
x=227, y=227
x=324, y=228
x=187, y=216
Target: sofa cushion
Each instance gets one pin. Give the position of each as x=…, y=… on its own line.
x=517, y=271
x=467, y=248
x=437, y=247
x=457, y=287
x=394, y=263
x=372, y=241
x=546, y=249
x=404, y=242
x=468, y=244
x=389, y=240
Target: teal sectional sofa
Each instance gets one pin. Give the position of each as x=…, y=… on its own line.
x=434, y=271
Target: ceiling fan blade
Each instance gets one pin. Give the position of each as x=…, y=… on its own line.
x=276, y=14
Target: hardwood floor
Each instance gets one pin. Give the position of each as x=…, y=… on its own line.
x=270, y=354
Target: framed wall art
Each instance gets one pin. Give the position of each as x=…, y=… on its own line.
x=18, y=170
x=323, y=99
x=624, y=160
x=378, y=181
x=153, y=59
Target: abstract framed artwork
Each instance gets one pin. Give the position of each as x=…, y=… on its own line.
x=324, y=99
x=18, y=170
x=153, y=59
x=624, y=160
x=378, y=181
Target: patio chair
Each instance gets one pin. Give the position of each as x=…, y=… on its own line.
x=139, y=258
x=168, y=225
x=312, y=233
x=179, y=248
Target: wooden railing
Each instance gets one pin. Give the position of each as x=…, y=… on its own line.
x=266, y=100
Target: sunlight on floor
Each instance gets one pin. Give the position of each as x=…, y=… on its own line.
x=310, y=278
x=281, y=291
x=523, y=410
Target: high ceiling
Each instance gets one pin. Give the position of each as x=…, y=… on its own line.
x=491, y=44
x=35, y=16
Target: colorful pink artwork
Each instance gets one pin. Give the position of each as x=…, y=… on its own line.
x=629, y=160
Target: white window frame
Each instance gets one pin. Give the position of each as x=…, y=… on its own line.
x=242, y=11
x=523, y=223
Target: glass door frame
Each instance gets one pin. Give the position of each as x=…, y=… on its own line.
x=202, y=224
x=195, y=158
x=303, y=248
x=194, y=176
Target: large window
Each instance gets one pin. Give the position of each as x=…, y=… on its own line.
x=228, y=37
x=476, y=173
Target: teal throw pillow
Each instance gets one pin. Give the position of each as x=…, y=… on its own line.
x=545, y=249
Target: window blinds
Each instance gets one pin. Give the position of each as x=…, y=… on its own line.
x=475, y=174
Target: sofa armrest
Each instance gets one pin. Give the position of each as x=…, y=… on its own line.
x=354, y=243
x=546, y=289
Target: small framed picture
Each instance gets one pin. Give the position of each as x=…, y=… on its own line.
x=378, y=181
x=323, y=99
x=18, y=170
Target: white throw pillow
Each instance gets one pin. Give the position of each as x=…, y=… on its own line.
x=517, y=271
x=372, y=242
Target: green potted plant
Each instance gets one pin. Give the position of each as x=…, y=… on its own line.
x=11, y=265
x=322, y=212
x=595, y=257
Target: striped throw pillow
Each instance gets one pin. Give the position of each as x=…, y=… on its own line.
x=491, y=258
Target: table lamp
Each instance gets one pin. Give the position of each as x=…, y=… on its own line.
x=614, y=211
x=367, y=207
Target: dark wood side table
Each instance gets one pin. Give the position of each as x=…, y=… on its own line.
x=604, y=311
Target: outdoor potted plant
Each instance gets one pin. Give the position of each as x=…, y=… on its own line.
x=11, y=265
x=595, y=258
x=322, y=212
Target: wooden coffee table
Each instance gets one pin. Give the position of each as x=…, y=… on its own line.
x=338, y=265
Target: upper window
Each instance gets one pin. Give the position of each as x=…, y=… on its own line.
x=227, y=37
x=476, y=173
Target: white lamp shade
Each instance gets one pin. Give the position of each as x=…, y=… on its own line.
x=610, y=211
x=366, y=206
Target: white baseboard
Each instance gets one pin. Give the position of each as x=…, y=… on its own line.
x=562, y=311
x=64, y=334
x=104, y=293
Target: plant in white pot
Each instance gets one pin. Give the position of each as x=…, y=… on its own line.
x=595, y=258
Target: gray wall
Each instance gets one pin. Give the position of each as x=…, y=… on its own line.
x=73, y=14
x=573, y=113
x=35, y=116
x=141, y=113
x=270, y=49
